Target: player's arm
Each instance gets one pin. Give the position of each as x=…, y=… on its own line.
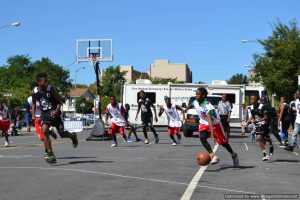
x=189, y=107
x=280, y=114
x=123, y=113
x=155, y=114
x=57, y=99
x=161, y=111
x=210, y=124
x=137, y=112
x=106, y=115
x=229, y=111
x=33, y=107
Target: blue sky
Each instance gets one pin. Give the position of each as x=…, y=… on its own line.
x=204, y=34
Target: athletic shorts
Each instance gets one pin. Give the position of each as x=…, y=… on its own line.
x=117, y=129
x=4, y=125
x=55, y=122
x=147, y=120
x=262, y=129
x=224, y=122
x=38, y=128
x=218, y=133
x=173, y=130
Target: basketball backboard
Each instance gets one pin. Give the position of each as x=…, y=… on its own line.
x=99, y=48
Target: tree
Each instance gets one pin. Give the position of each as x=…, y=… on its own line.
x=18, y=75
x=238, y=79
x=279, y=66
x=157, y=80
x=87, y=108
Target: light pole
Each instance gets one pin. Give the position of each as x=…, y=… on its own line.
x=75, y=89
x=12, y=24
x=246, y=41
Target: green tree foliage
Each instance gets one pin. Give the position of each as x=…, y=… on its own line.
x=87, y=108
x=112, y=78
x=279, y=66
x=18, y=75
x=157, y=80
x=238, y=79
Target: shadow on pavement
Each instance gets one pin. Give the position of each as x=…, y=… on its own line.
x=230, y=167
x=283, y=160
x=84, y=162
x=74, y=157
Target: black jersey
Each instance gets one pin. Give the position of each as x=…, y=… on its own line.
x=46, y=101
x=257, y=113
x=145, y=105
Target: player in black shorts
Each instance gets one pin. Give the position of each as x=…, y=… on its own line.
x=50, y=104
x=144, y=104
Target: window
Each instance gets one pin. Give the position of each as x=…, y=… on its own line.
x=230, y=97
x=149, y=95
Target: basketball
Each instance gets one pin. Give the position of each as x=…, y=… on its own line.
x=203, y=158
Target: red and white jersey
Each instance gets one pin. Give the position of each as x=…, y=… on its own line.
x=4, y=113
x=206, y=108
x=172, y=116
x=116, y=114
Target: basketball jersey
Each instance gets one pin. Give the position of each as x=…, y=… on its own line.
x=4, y=113
x=46, y=102
x=145, y=107
x=257, y=113
x=116, y=114
x=172, y=116
x=206, y=108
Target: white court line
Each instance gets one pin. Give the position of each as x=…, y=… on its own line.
x=246, y=146
x=296, y=153
x=194, y=182
x=129, y=177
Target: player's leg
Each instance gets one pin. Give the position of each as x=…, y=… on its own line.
x=268, y=138
x=259, y=134
x=294, y=137
x=5, y=127
x=49, y=155
x=177, y=132
x=222, y=140
x=144, y=123
x=150, y=125
x=59, y=125
x=114, y=130
x=171, y=133
x=121, y=130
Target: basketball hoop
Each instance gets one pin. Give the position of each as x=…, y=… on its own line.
x=93, y=59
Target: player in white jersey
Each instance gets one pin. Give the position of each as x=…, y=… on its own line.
x=174, y=122
x=4, y=122
x=116, y=112
x=210, y=126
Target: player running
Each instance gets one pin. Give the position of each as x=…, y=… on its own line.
x=259, y=116
x=174, y=122
x=144, y=104
x=50, y=104
x=116, y=112
x=4, y=122
x=210, y=126
x=130, y=126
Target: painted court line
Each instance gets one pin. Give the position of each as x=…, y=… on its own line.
x=190, y=189
x=296, y=153
x=129, y=177
x=246, y=146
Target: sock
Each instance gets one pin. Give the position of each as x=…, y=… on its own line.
x=264, y=152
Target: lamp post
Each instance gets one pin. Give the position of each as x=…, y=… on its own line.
x=246, y=41
x=75, y=88
x=12, y=24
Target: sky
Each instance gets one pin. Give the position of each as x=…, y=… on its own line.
x=204, y=34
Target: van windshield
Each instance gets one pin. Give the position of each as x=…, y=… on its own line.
x=214, y=100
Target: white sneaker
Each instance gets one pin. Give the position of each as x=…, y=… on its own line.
x=215, y=160
x=174, y=144
x=146, y=141
x=178, y=141
x=235, y=160
x=114, y=145
x=265, y=158
x=6, y=144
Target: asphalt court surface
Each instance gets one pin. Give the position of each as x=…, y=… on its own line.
x=94, y=170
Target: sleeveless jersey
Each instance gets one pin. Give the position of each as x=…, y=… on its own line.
x=172, y=116
x=257, y=113
x=46, y=102
x=116, y=114
x=206, y=108
x=4, y=113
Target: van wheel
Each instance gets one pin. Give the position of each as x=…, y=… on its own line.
x=186, y=131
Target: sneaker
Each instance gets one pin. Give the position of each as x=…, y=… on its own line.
x=74, y=140
x=6, y=144
x=114, y=144
x=235, y=160
x=52, y=133
x=215, y=160
x=178, y=141
x=125, y=141
x=129, y=140
x=146, y=141
x=138, y=140
x=174, y=144
x=50, y=158
x=281, y=145
x=156, y=139
x=289, y=148
x=271, y=151
x=265, y=158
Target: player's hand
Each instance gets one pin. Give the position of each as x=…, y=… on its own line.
x=228, y=119
x=156, y=119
